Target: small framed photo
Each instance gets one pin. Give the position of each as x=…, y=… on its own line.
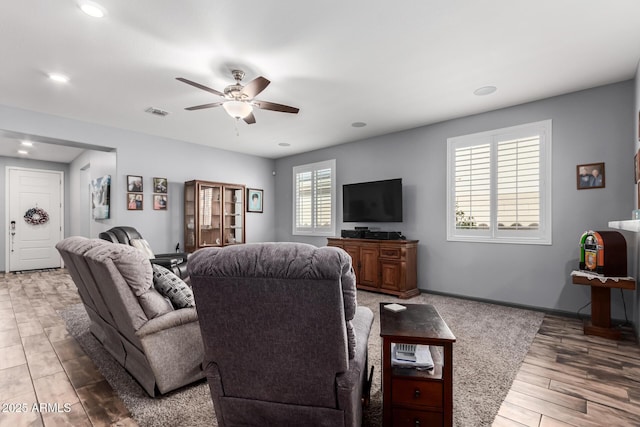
x=160, y=202
x=590, y=176
x=134, y=201
x=254, y=200
x=134, y=183
x=160, y=185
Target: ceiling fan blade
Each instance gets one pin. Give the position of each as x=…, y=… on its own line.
x=249, y=119
x=255, y=86
x=199, y=86
x=200, y=107
x=265, y=105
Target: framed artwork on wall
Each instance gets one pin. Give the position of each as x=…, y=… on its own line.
x=254, y=200
x=134, y=183
x=134, y=201
x=590, y=176
x=160, y=202
x=160, y=185
x=636, y=166
x=100, y=195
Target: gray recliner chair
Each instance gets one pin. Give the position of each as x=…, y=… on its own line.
x=160, y=346
x=285, y=342
x=176, y=262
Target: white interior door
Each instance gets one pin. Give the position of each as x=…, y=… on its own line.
x=35, y=218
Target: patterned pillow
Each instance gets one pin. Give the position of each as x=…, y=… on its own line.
x=172, y=287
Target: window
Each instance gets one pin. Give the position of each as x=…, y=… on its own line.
x=314, y=194
x=499, y=185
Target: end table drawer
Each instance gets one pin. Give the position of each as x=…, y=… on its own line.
x=416, y=392
x=410, y=418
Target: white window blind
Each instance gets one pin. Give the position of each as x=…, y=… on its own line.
x=473, y=186
x=499, y=185
x=314, y=199
x=519, y=184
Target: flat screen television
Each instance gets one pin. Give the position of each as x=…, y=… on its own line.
x=376, y=201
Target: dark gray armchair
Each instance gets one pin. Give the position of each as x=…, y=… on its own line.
x=174, y=261
x=285, y=342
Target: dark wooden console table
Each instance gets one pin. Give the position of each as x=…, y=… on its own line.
x=412, y=397
x=600, y=324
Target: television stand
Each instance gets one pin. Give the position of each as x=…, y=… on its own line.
x=386, y=266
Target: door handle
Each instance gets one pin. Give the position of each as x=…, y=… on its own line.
x=13, y=234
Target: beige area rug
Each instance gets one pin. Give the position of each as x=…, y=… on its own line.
x=491, y=342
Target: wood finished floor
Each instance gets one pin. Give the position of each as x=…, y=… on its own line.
x=567, y=378
x=571, y=379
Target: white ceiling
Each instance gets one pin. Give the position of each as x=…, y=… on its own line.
x=394, y=65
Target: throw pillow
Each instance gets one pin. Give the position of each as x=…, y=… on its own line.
x=143, y=245
x=153, y=304
x=172, y=287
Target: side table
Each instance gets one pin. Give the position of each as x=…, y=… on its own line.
x=412, y=397
x=600, y=324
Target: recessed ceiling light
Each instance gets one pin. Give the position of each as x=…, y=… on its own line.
x=284, y=144
x=23, y=152
x=60, y=78
x=26, y=143
x=92, y=9
x=358, y=124
x=485, y=90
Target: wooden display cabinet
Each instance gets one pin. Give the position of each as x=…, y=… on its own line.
x=387, y=266
x=213, y=214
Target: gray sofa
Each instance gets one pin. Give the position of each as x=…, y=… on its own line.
x=159, y=346
x=285, y=342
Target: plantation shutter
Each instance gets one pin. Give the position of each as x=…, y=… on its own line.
x=303, y=199
x=518, y=189
x=324, y=202
x=473, y=186
x=499, y=185
x=314, y=199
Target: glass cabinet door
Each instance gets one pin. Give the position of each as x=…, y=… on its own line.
x=213, y=214
x=190, y=216
x=233, y=215
x=210, y=220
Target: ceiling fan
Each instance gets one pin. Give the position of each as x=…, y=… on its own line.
x=240, y=100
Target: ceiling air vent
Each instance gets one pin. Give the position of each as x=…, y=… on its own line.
x=157, y=111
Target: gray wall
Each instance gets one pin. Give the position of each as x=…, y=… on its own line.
x=588, y=127
x=152, y=156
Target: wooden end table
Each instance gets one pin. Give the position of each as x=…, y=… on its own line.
x=412, y=397
x=600, y=324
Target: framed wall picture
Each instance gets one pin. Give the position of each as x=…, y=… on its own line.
x=100, y=196
x=590, y=176
x=134, y=201
x=160, y=185
x=134, y=183
x=254, y=200
x=160, y=202
x=636, y=166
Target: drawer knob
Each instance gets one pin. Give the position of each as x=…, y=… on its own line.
x=416, y=393
x=416, y=422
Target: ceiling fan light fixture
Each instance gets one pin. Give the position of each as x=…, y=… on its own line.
x=237, y=109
